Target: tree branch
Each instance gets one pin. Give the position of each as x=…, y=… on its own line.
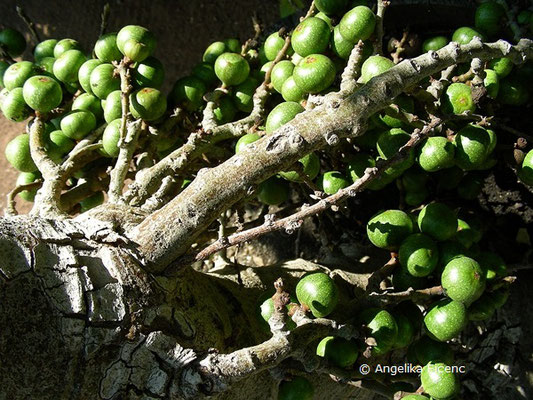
x=380, y=14
x=169, y=232
x=29, y=23
x=11, y=208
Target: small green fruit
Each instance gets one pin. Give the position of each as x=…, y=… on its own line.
x=513, y=92
x=434, y=43
x=331, y=7
x=212, y=52
x=111, y=137
x=84, y=74
x=445, y=319
x=463, y=280
x=340, y=46
x=67, y=65
x=232, y=69
x=281, y=114
x=78, y=124
x=481, y=309
x=428, y=350
x=491, y=83
x=57, y=144
x=403, y=280
x=472, y=145
x=290, y=91
x=86, y=101
x=18, y=154
x=148, y=104
x=458, y=99
x=280, y=73
x=492, y=265
x=103, y=80
x=436, y=153
x=310, y=167
x=18, y=73
x=25, y=178
x=406, y=331
x=404, y=103
x=382, y=326
x=465, y=34
x=438, y=221
x=273, y=191
x=14, y=107
x=225, y=111
x=374, y=66
x=439, y=381
x=13, y=42
x=205, y=72
x=243, y=95
x=502, y=66
x=526, y=170
x=65, y=45
x=298, y=388
x=42, y=93
x=333, y=181
x=112, y=106
x=311, y=36
x=314, y=73
x=273, y=44
x=338, y=351
x=106, y=48
x=449, y=250
x=267, y=309
x=149, y=73
x=188, y=92
x=136, y=42
x=419, y=255
x=245, y=141
x=44, y=49
x=318, y=292
x=388, y=229
x=489, y=17
x=358, y=24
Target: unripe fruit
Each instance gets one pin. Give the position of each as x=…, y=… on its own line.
x=415, y=397
x=290, y=90
x=14, y=107
x=12, y=41
x=438, y=221
x=445, y=319
x=314, y=73
x=492, y=265
x=111, y=137
x=388, y=145
x=318, y=292
x=403, y=280
x=273, y=44
x=149, y=73
x=324, y=18
x=148, y=104
x=502, y=66
x=481, y=309
x=357, y=24
x=77, y=124
x=25, y=178
x=374, y=66
x=188, y=92
x=245, y=141
x=18, y=73
x=489, y=17
x=57, y=144
x=136, y=42
x=491, y=83
x=466, y=235
x=112, y=106
x=338, y=351
x=333, y=181
x=47, y=66
x=406, y=331
x=232, y=69
x=281, y=114
x=419, y=255
x=434, y=43
x=243, y=95
x=340, y=46
x=18, y=154
x=267, y=309
x=526, y=170
x=513, y=92
x=106, y=48
x=91, y=202
x=103, y=80
x=388, y=229
x=463, y=280
x=84, y=74
x=212, y=52
x=86, y=101
x=465, y=34
x=436, y=153
x=225, y=111
x=472, y=144
x=42, y=93
x=331, y=7
x=310, y=165
x=44, y=49
x=311, y=36
x=428, y=350
x=458, y=99
x=273, y=191
x=439, y=381
x=205, y=72
x=404, y=103
x=280, y=73
x=298, y=388
x=450, y=250
x=65, y=45
x=382, y=326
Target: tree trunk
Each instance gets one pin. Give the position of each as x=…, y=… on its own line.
x=80, y=319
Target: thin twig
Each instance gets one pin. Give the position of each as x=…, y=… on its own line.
x=353, y=69
x=380, y=14
x=104, y=19
x=11, y=207
x=295, y=220
x=29, y=23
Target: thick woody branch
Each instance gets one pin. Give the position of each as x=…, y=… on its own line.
x=295, y=220
x=169, y=232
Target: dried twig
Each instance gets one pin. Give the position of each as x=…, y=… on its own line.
x=11, y=208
